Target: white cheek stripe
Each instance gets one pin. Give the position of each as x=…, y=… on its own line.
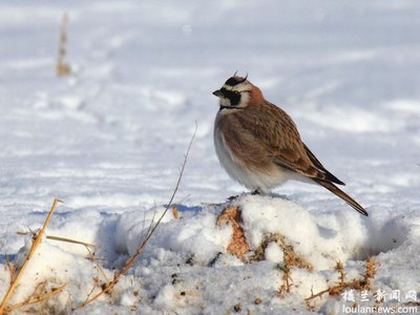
x=238, y=88
x=224, y=101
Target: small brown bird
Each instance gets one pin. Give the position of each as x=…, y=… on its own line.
x=259, y=145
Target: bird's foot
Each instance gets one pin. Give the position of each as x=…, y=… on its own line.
x=253, y=193
x=231, y=198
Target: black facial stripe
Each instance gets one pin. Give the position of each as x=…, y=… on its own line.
x=233, y=96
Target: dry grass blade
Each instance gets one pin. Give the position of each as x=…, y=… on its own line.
x=35, y=244
x=107, y=287
x=69, y=240
x=36, y=298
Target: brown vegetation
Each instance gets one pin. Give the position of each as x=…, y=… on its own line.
x=40, y=292
x=62, y=68
x=238, y=245
x=363, y=283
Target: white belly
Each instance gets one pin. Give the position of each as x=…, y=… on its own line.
x=263, y=181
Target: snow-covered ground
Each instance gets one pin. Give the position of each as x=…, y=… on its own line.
x=109, y=141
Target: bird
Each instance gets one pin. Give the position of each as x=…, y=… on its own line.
x=259, y=145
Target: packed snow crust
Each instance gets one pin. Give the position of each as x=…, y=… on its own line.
x=110, y=138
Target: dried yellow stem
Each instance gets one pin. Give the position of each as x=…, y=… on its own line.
x=63, y=69
x=35, y=244
x=69, y=240
x=36, y=299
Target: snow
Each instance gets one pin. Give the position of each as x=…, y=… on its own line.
x=109, y=141
x=274, y=253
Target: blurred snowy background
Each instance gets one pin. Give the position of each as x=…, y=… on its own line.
x=110, y=138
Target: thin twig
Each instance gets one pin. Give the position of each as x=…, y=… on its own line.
x=35, y=244
x=107, y=288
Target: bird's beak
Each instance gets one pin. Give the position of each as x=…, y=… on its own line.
x=218, y=93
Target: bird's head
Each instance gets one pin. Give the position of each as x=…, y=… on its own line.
x=237, y=92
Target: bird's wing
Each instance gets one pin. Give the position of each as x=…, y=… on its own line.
x=277, y=133
x=269, y=134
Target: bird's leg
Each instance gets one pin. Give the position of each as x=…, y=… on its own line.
x=257, y=191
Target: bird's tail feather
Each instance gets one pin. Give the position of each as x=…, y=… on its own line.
x=338, y=192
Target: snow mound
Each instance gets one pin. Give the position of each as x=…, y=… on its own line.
x=321, y=238
x=187, y=268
